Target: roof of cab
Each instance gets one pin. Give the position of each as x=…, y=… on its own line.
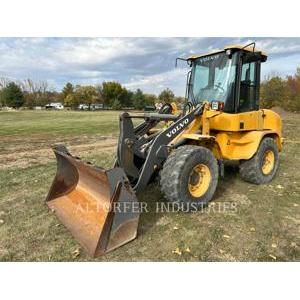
x=239, y=47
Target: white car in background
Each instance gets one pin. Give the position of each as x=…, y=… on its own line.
x=83, y=107
x=54, y=105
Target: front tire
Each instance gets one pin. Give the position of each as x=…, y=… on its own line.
x=189, y=177
x=262, y=167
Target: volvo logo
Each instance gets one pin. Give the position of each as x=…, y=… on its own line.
x=178, y=127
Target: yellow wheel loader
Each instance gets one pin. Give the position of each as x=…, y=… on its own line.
x=220, y=121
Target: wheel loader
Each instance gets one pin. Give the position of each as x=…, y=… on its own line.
x=220, y=121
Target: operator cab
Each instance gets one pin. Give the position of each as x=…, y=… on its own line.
x=229, y=77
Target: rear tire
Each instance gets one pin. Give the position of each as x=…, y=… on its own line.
x=262, y=167
x=189, y=177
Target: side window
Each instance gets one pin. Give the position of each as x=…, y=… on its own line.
x=203, y=73
x=248, y=87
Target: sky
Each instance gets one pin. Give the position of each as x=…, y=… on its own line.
x=145, y=63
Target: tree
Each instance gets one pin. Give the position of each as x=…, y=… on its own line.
x=71, y=100
x=283, y=92
x=29, y=100
x=179, y=100
x=4, y=82
x=126, y=98
x=150, y=99
x=86, y=95
x=99, y=93
x=138, y=99
x=111, y=91
x=2, y=103
x=166, y=96
x=36, y=92
x=116, y=104
x=274, y=92
x=67, y=90
x=293, y=85
x=13, y=95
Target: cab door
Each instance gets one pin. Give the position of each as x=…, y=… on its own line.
x=249, y=86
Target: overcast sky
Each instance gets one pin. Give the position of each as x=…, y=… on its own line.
x=146, y=63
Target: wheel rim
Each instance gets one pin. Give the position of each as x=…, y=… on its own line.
x=268, y=162
x=199, y=180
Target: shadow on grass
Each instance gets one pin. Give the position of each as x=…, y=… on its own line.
x=231, y=174
x=151, y=195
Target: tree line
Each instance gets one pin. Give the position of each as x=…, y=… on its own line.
x=109, y=94
x=274, y=91
x=282, y=92
x=27, y=93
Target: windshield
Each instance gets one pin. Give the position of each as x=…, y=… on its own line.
x=213, y=78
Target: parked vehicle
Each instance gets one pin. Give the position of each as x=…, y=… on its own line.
x=83, y=107
x=96, y=106
x=54, y=105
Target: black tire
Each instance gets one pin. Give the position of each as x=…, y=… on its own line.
x=176, y=173
x=252, y=170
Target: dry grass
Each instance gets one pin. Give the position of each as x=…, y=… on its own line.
x=264, y=227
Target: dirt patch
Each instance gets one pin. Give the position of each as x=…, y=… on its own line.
x=11, y=144
x=28, y=157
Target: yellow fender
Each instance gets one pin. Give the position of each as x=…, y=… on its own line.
x=242, y=145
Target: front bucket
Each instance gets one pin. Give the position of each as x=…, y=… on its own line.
x=98, y=206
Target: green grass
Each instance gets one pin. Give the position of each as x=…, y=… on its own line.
x=22, y=123
x=264, y=227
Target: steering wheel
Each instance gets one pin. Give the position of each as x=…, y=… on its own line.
x=218, y=86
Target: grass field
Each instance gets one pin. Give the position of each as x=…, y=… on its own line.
x=264, y=227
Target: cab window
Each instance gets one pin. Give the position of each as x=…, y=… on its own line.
x=248, y=88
